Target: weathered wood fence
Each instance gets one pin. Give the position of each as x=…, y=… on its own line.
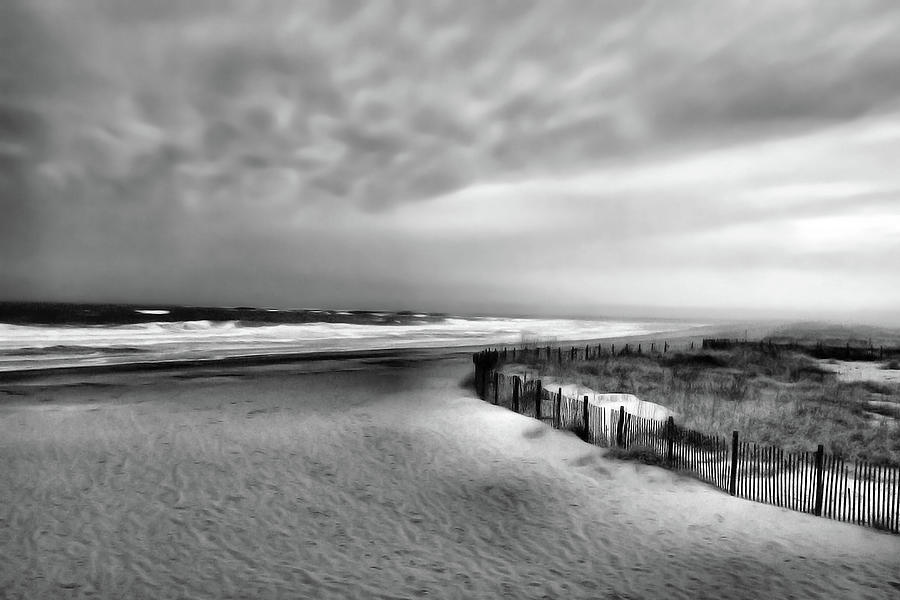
x=847, y=351
x=592, y=351
x=812, y=482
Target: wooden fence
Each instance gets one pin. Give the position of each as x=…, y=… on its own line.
x=811, y=482
x=847, y=351
x=592, y=351
x=586, y=352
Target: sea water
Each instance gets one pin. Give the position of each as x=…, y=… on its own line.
x=56, y=335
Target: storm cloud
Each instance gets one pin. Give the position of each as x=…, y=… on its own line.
x=452, y=155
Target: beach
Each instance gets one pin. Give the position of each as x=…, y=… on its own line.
x=371, y=477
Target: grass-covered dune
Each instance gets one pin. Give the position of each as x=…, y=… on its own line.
x=770, y=396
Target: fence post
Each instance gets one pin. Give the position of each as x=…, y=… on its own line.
x=670, y=441
x=613, y=350
x=572, y=359
x=559, y=355
x=538, y=392
x=732, y=484
x=585, y=415
x=820, y=455
x=666, y=347
x=557, y=410
x=620, y=426
x=477, y=375
x=515, y=405
x=496, y=387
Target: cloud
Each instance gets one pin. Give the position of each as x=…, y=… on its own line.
x=162, y=133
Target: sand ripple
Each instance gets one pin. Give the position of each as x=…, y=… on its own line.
x=386, y=483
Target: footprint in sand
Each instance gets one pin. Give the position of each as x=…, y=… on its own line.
x=584, y=460
x=602, y=471
x=535, y=433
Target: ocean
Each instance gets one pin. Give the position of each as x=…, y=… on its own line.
x=44, y=335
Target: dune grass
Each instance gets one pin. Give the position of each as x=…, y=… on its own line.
x=771, y=397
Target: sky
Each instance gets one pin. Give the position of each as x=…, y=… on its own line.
x=508, y=157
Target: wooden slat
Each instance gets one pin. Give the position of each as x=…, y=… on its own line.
x=870, y=496
x=845, y=505
x=779, y=479
x=785, y=484
x=835, y=485
x=836, y=491
x=864, y=494
x=896, y=502
x=757, y=483
x=698, y=463
x=695, y=453
x=889, y=496
x=876, y=498
x=861, y=495
x=812, y=482
x=870, y=480
x=726, y=464
x=747, y=470
x=791, y=483
x=806, y=481
x=830, y=487
x=751, y=471
x=776, y=477
x=716, y=470
x=707, y=463
x=886, y=497
x=886, y=501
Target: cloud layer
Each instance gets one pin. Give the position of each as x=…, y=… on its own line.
x=440, y=153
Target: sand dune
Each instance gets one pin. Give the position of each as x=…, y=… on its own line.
x=384, y=479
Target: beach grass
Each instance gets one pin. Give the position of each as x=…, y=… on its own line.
x=770, y=396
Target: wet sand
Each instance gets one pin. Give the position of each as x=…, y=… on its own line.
x=371, y=477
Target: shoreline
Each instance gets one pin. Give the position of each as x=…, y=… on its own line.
x=675, y=338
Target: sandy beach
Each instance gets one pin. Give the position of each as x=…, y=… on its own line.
x=372, y=477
